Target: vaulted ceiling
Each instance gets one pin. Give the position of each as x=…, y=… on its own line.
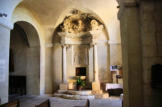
x=49, y=11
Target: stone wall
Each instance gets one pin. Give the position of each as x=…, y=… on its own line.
x=151, y=36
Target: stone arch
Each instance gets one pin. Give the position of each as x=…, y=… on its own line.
x=28, y=53
x=31, y=33
x=22, y=13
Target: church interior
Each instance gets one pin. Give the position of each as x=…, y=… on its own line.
x=80, y=53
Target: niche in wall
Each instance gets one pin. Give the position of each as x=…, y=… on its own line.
x=156, y=76
x=80, y=71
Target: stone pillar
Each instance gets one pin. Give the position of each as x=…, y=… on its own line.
x=64, y=85
x=95, y=64
x=132, y=54
x=64, y=79
x=96, y=83
x=4, y=62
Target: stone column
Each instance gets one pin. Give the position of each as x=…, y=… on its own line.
x=96, y=83
x=64, y=85
x=64, y=79
x=132, y=54
x=4, y=62
x=95, y=63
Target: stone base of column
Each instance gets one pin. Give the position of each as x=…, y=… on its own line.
x=96, y=86
x=63, y=86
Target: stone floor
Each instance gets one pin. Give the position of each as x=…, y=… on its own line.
x=31, y=101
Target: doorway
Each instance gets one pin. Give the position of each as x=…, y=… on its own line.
x=24, y=62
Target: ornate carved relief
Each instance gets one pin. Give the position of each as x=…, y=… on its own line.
x=79, y=22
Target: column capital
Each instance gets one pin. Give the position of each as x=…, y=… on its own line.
x=63, y=45
x=64, y=78
x=66, y=45
x=92, y=44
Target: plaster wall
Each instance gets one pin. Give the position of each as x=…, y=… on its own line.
x=7, y=7
x=4, y=62
x=49, y=71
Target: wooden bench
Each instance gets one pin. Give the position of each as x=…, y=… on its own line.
x=44, y=104
x=87, y=104
x=15, y=103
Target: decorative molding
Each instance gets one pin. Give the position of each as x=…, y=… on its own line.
x=79, y=28
x=73, y=36
x=78, y=23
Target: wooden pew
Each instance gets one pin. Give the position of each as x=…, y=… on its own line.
x=14, y=103
x=44, y=104
x=87, y=104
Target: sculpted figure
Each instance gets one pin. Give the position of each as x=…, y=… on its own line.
x=73, y=24
x=79, y=23
x=94, y=25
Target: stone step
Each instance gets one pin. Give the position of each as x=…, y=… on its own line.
x=72, y=92
x=80, y=95
x=74, y=97
x=97, y=92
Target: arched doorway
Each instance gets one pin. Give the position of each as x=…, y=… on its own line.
x=24, y=68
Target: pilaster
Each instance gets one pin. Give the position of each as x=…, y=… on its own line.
x=4, y=62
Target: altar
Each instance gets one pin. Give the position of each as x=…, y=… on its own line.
x=80, y=35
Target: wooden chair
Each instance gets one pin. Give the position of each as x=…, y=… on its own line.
x=14, y=103
x=44, y=104
x=87, y=104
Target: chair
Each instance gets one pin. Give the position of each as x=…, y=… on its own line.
x=87, y=104
x=14, y=103
x=44, y=104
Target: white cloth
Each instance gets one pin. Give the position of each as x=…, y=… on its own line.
x=113, y=86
